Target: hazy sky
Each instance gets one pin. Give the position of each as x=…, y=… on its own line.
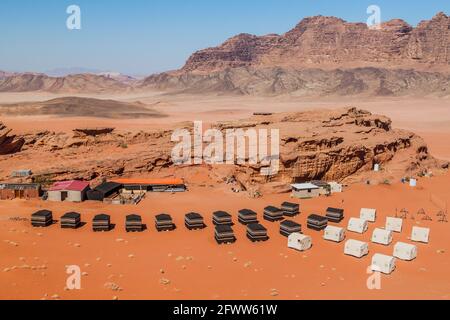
x=146, y=36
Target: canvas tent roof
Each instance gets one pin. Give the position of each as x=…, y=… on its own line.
x=69, y=186
x=42, y=213
x=71, y=215
x=335, y=210
x=101, y=217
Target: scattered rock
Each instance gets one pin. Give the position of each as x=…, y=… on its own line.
x=113, y=286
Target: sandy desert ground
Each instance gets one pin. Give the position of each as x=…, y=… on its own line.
x=190, y=265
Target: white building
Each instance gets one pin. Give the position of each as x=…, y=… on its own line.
x=305, y=191
x=368, y=214
x=382, y=263
x=336, y=187
x=356, y=248
x=382, y=236
x=394, y=224
x=420, y=235
x=405, y=251
x=299, y=242
x=334, y=234
x=358, y=225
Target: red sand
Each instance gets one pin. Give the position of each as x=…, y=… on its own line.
x=240, y=271
x=195, y=265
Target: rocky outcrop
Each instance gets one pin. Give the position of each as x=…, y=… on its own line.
x=329, y=41
x=323, y=56
x=306, y=82
x=92, y=132
x=9, y=144
x=338, y=145
x=82, y=83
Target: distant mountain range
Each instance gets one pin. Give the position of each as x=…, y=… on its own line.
x=320, y=56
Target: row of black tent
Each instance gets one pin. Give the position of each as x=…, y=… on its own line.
x=222, y=220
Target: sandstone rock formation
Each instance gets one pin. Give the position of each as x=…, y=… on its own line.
x=82, y=83
x=367, y=81
x=341, y=145
x=9, y=144
x=338, y=145
x=323, y=56
x=319, y=40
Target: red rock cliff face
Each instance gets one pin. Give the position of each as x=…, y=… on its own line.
x=329, y=41
x=338, y=145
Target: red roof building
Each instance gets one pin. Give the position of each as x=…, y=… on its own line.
x=72, y=191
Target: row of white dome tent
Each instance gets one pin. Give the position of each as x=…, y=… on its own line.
x=359, y=249
x=402, y=251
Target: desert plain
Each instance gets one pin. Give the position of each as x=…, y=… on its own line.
x=189, y=264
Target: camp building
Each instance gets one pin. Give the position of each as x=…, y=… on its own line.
x=305, y=190
x=104, y=190
x=10, y=191
x=72, y=191
x=152, y=185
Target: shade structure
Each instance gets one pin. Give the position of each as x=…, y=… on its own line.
x=222, y=218
x=257, y=232
x=290, y=209
x=101, y=223
x=71, y=220
x=224, y=234
x=133, y=223
x=247, y=217
x=289, y=227
x=335, y=215
x=317, y=222
x=164, y=222
x=273, y=214
x=42, y=218
x=194, y=221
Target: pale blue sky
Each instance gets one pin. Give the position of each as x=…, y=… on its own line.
x=146, y=36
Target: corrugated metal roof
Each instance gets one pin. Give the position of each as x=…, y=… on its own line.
x=73, y=185
x=304, y=186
